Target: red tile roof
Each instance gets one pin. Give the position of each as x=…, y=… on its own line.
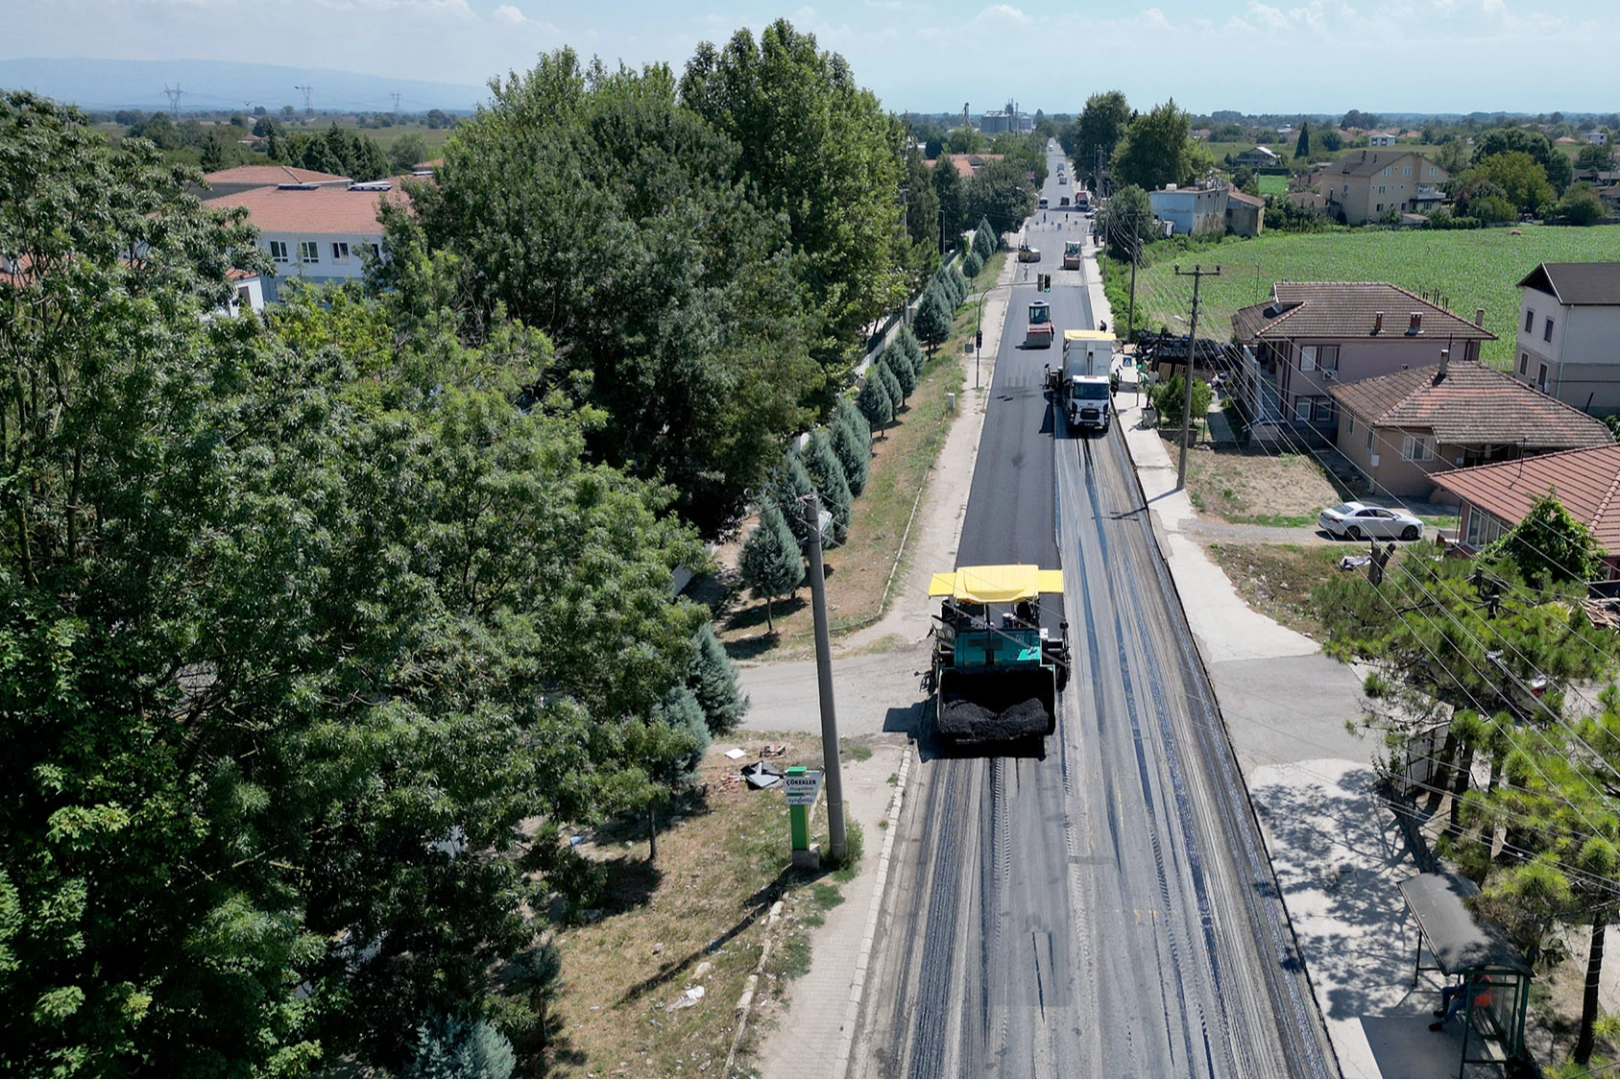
x=1348, y=309
x=1471, y=405
x=312, y=213
x=1587, y=483
x=271, y=175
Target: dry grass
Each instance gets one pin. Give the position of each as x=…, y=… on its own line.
x=705, y=901
x=1255, y=487
x=858, y=572
x=1277, y=579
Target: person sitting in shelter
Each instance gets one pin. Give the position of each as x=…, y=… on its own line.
x=1454, y=997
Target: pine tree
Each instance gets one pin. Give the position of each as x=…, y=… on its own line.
x=891, y=386
x=1302, y=149
x=933, y=321
x=452, y=1047
x=874, y=403
x=789, y=487
x=972, y=265
x=852, y=442
x=961, y=283
x=984, y=241
x=913, y=349
x=899, y=364
x=821, y=462
x=770, y=563
x=712, y=678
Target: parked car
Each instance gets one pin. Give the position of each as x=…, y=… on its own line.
x=1358, y=521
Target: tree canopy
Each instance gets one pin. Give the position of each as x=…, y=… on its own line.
x=301, y=622
x=1158, y=149
x=1098, y=131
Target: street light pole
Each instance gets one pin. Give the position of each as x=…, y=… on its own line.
x=837, y=842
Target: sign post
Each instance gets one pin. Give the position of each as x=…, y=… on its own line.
x=802, y=787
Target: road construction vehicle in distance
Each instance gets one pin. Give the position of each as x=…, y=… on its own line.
x=1071, y=254
x=996, y=670
x=1028, y=254
x=1040, y=330
x=1081, y=386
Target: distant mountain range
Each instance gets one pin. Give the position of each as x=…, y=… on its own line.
x=220, y=84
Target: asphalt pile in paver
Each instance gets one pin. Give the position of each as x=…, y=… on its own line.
x=1020, y=720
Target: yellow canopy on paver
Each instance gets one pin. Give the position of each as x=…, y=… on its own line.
x=996, y=584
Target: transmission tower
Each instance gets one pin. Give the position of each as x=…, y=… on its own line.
x=306, y=91
x=174, y=100
x=396, y=96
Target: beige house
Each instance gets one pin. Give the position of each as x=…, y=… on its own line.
x=1313, y=336
x=1401, y=428
x=1568, y=334
x=1369, y=185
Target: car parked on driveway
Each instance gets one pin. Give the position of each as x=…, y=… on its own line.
x=1358, y=521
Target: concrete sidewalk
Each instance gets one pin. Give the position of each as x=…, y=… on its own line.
x=1337, y=850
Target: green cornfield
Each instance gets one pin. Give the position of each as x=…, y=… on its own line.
x=1470, y=269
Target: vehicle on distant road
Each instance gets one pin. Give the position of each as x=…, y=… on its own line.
x=1043, y=202
x=1040, y=329
x=1028, y=254
x=1063, y=201
x=1071, y=254
x=1359, y=521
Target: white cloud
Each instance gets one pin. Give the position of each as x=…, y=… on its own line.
x=805, y=14
x=510, y=14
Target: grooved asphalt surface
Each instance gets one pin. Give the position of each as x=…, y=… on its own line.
x=1102, y=907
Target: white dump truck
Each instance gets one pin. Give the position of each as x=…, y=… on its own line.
x=1081, y=386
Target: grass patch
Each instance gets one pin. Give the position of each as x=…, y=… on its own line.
x=902, y=457
x=1440, y=521
x=1472, y=269
x=1277, y=579
x=705, y=900
x=1252, y=487
x=1272, y=185
x=857, y=751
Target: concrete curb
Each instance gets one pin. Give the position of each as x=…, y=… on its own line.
x=846, y=1036
x=745, y=1001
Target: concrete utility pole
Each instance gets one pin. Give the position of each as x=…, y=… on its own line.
x=1198, y=273
x=837, y=842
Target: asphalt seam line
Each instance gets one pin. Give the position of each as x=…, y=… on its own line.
x=852, y=1011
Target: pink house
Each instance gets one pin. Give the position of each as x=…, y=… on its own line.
x=1313, y=336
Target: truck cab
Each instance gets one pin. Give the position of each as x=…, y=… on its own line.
x=1041, y=329
x=1088, y=357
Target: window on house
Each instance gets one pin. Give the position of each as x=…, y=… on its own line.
x=1380, y=208
x=1541, y=379
x=1416, y=448
x=1546, y=331
x=244, y=296
x=1302, y=410
x=376, y=252
x=1434, y=170
x=1307, y=358
x=1349, y=423
x=1380, y=189
x=1327, y=358
x=1529, y=320
x=278, y=251
x=1407, y=171
x=1324, y=410
x=309, y=251
x=1386, y=170
x=1524, y=363
x=340, y=252
x=1483, y=528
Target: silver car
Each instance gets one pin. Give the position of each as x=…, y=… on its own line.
x=1358, y=521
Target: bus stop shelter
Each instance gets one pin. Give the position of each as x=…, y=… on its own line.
x=1495, y=976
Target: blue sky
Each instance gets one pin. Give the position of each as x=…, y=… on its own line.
x=924, y=55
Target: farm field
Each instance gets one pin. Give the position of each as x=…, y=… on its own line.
x=1470, y=269
x=1272, y=185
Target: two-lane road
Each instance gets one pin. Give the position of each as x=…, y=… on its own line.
x=1104, y=908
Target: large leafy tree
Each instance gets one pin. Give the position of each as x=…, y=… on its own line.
x=1158, y=149
x=1099, y=130
x=822, y=153
x=1521, y=179
x=299, y=625
x=597, y=208
x=1001, y=193
x=1559, y=169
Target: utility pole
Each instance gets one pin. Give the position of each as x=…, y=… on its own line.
x=1130, y=317
x=837, y=843
x=1198, y=273
x=173, y=94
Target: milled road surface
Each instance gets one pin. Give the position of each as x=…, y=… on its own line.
x=1103, y=907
